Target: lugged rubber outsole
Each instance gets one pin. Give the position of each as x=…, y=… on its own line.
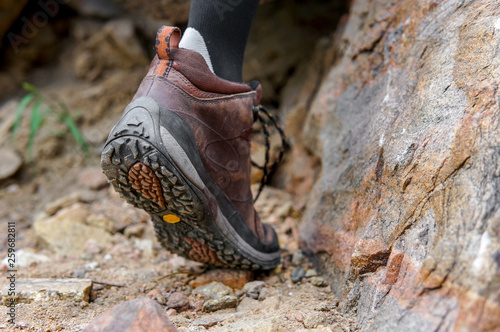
x=148, y=180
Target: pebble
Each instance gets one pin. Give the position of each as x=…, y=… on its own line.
x=214, y=290
x=135, y=230
x=297, y=274
x=206, y=322
x=9, y=163
x=156, y=295
x=92, y=247
x=299, y=316
x=178, y=301
x=314, y=319
x=92, y=265
x=197, y=305
x=297, y=258
x=311, y=273
x=268, y=326
x=171, y=312
x=273, y=280
x=13, y=188
x=253, y=288
x=318, y=282
x=195, y=329
x=62, y=203
x=141, y=314
x=92, y=178
x=228, y=301
x=145, y=246
x=99, y=301
x=79, y=273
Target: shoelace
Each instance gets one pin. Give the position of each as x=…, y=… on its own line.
x=267, y=169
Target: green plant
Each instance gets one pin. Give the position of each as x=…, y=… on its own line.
x=43, y=107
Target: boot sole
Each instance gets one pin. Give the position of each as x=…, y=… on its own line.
x=158, y=177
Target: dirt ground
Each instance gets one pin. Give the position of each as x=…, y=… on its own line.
x=134, y=265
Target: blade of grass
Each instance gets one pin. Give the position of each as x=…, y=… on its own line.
x=30, y=88
x=36, y=121
x=19, y=112
x=76, y=134
x=66, y=118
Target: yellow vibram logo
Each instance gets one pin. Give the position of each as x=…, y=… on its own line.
x=171, y=218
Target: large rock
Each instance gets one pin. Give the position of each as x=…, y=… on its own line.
x=141, y=314
x=405, y=217
x=67, y=232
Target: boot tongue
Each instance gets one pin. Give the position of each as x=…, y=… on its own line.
x=167, y=39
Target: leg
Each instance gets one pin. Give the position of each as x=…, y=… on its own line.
x=219, y=30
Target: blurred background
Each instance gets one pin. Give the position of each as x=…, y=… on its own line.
x=49, y=41
x=84, y=59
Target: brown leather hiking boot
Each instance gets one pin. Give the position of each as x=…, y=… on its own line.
x=181, y=152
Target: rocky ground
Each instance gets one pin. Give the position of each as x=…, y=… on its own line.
x=89, y=251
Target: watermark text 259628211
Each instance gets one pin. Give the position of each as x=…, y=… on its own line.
x=29, y=30
x=11, y=276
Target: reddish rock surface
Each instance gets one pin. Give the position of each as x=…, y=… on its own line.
x=405, y=215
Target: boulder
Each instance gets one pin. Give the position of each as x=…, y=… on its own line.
x=67, y=232
x=405, y=216
x=141, y=314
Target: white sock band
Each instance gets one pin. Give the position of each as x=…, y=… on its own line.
x=193, y=40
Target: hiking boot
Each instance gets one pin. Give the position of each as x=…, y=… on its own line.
x=181, y=152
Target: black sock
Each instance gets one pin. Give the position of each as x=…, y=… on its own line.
x=224, y=26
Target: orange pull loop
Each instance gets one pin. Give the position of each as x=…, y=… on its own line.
x=166, y=39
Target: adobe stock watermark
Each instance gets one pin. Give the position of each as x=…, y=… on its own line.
x=223, y=6
x=30, y=28
x=10, y=301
